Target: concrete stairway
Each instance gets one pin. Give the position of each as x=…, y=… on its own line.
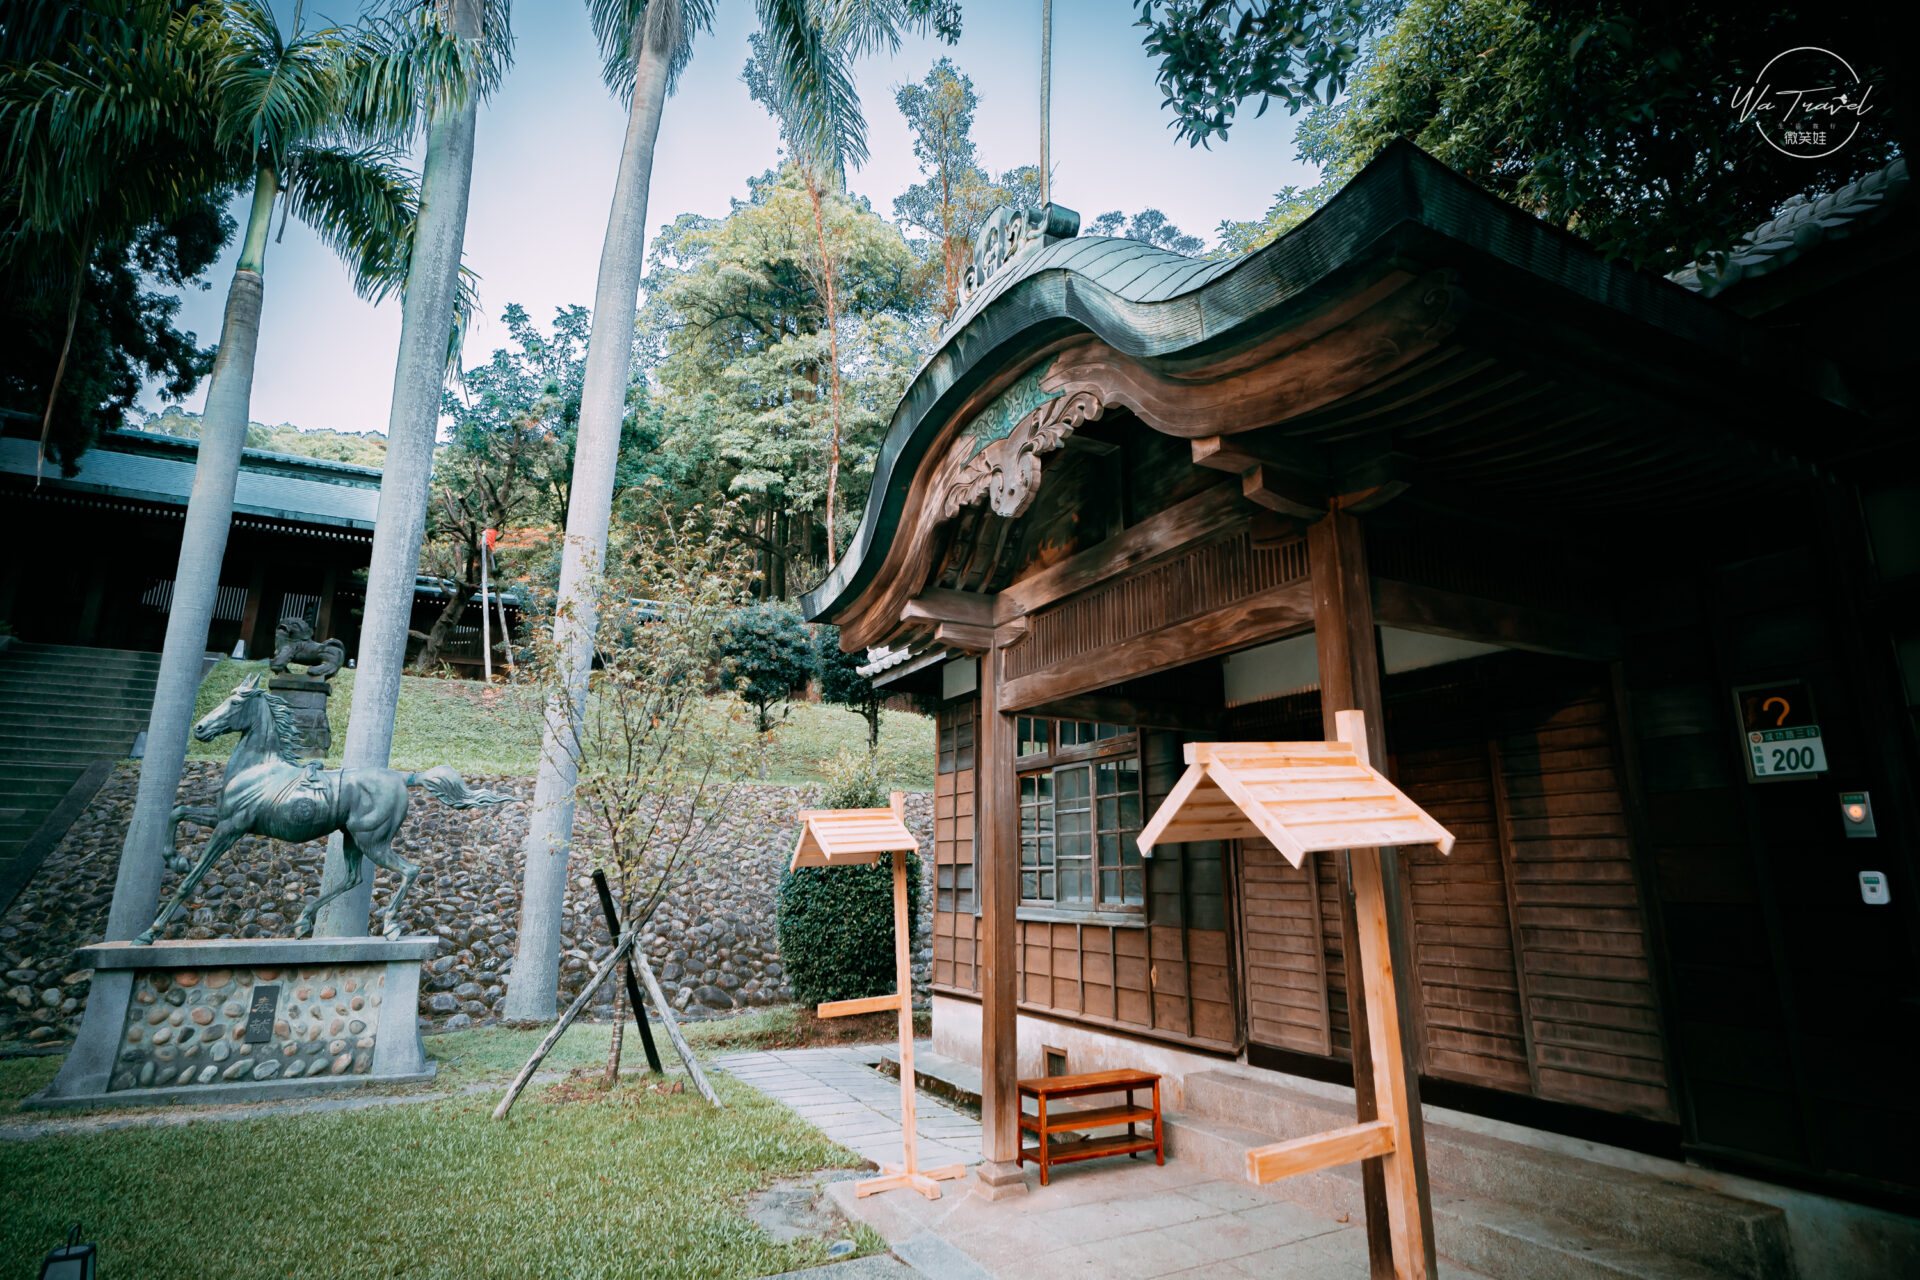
x=61, y=709
x=1506, y=1209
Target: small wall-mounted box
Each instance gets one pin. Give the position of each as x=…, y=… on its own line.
x=1873, y=889
x=1856, y=814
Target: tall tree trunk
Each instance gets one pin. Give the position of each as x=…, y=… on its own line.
x=413, y=422
x=82, y=259
x=196, y=579
x=833, y=369
x=603, y=404
x=450, y=615
x=612, y=1073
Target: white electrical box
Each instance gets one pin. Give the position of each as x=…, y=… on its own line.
x=1873, y=888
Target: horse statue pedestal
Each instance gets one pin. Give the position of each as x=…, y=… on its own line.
x=244, y=1020
x=306, y=696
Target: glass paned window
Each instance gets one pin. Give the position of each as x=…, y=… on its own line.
x=1117, y=822
x=1073, y=834
x=1034, y=736
x=1036, y=837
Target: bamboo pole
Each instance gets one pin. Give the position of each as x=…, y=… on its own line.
x=665, y=1011
x=486, y=620
x=566, y=1020
x=600, y=975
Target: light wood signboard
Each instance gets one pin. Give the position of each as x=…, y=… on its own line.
x=858, y=838
x=1303, y=797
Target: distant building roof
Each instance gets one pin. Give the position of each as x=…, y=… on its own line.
x=1801, y=224
x=149, y=467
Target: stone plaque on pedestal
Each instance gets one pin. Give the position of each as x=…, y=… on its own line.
x=239, y=1020
x=307, y=696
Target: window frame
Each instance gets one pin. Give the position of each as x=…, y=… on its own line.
x=1124, y=742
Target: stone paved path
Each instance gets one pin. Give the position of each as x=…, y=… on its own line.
x=1108, y=1218
x=846, y=1099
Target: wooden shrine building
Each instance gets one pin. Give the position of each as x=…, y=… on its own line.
x=91, y=556
x=1624, y=572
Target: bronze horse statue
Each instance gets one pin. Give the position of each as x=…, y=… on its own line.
x=293, y=642
x=269, y=792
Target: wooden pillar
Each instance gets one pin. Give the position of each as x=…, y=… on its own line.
x=323, y=624
x=250, y=620
x=997, y=815
x=86, y=630
x=1349, y=661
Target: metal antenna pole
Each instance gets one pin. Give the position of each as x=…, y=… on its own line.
x=1046, y=99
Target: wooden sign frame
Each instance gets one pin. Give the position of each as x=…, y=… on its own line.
x=1302, y=797
x=862, y=837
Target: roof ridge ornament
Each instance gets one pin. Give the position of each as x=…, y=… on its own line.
x=1010, y=233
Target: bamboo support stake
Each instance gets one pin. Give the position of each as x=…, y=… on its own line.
x=600, y=975
x=633, y=987
x=672, y=1024
x=566, y=1020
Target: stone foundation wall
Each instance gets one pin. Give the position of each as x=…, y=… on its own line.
x=191, y=1027
x=712, y=943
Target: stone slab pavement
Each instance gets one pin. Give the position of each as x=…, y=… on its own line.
x=839, y=1092
x=1127, y=1219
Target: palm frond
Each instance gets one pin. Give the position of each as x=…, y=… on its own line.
x=114, y=132
x=809, y=72
x=402, y=67
x=623, y=27
x=363, y=203
x=276, y=93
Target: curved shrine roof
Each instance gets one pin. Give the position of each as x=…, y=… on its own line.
x=1178, y=318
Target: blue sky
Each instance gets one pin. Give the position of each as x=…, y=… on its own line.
x=549, y=142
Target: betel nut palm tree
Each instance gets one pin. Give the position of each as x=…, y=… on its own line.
x=809, y=46
x=473, y=37
x=309, y=118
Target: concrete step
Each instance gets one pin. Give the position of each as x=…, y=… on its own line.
x=1639, y=1210
x=1504, y=1240
x=73, y=678
x=25, y=719
x=63, y=751
x=1497, y=1240
x=54, y=694
x=1510, y=1198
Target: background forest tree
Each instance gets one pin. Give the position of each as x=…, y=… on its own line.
x=735, y=330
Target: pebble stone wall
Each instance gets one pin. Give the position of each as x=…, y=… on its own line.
x=190, y=1027
x=712, y=944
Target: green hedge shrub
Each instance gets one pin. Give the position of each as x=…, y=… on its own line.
x=836, y=923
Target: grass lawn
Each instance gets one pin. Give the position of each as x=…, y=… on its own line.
x=579, y=1183
x=481, y=729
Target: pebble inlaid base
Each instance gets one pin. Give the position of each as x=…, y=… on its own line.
x=189, y=1026
x=238, y=1020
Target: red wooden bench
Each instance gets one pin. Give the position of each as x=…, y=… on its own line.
x=1043, y=1125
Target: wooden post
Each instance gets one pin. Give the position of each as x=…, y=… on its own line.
x=997, y=818
x=250, y=618
x=908, y=1172
x=323, y=621
x=1348, y=655
x=903, y=987
x=1395, y=1085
